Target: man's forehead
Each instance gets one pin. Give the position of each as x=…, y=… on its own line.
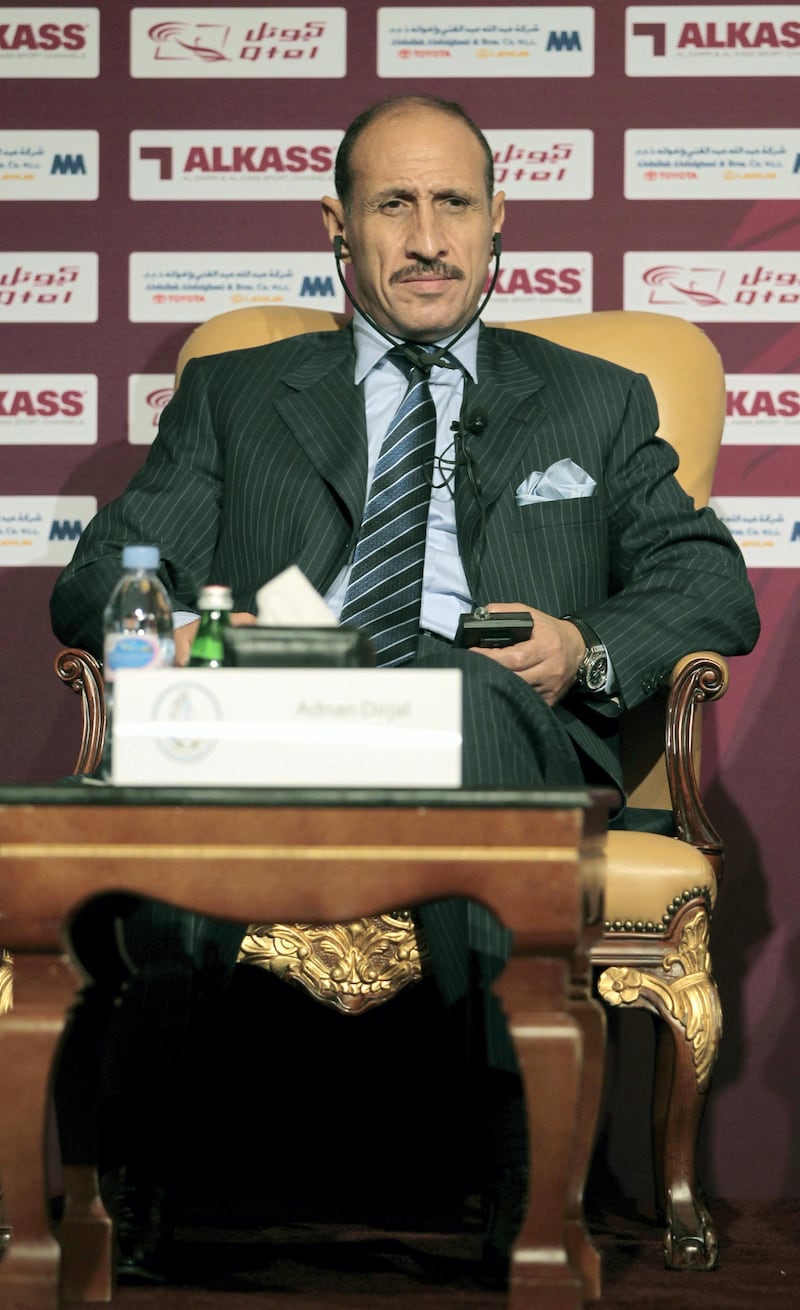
x=414, y=151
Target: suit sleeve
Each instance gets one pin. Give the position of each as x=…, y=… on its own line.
x=174, y=502
x=677, y=578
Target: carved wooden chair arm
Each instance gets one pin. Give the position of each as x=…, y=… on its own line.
x=83, y=674
x=697, y=678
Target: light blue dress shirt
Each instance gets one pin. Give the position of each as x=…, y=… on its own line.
x=445, y=593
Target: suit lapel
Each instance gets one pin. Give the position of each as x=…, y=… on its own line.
x=325, y=413
x=509, y=391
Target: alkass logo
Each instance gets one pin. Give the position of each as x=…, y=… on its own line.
x=45, y=36
x=41, y=404
x=238, y=42
x=715, y=286
x=46, y=42
x=728, y=40
x=762, y=409
x=531, y=283
x=48, y=408
x=232, y=165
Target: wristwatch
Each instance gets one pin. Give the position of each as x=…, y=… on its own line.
x=593, y=668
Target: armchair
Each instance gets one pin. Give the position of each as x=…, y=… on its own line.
x=660, y=889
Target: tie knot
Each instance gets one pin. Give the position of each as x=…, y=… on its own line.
x=412, y=359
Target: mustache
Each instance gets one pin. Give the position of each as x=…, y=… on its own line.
x=434, y=266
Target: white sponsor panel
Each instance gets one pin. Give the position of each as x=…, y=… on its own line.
x=215, y=41
x=766, y=528
x=148, y=393
x=755, y=40
x=48, y=409
x=543, y=165
x=715, y=286
x=48, y=286
x=285, y=165
x=486, y=41
x=42, y=41
x=189, y=286
x=541, y=284
x=763, y=409
x=42, y=529
x=49, y=165
x=712, y=163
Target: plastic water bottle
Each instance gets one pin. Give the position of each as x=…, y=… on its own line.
x=137, y=626
x=208, y=648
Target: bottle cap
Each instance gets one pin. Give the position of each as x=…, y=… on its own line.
x=215, y=597
x=140, y=557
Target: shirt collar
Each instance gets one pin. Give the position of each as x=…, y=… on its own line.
x=371, y=347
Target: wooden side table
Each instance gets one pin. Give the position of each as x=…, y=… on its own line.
x=536, y=859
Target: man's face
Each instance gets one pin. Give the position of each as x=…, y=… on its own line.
x=419, y=227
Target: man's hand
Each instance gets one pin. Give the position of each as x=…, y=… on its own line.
x=549, y=660
x=185, y=635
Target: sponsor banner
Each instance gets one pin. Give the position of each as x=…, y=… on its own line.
x=48, y=286
x=221, y=42
x=189, y=286
x=220, y=165
x=755, y=40
x=541, y=284
x=48, y=409
x=148, y=393
x=42, y=41
x=763, y=409
x=42, y=529
x=49, y=165
x=766, y=528
x=543, y=165
x=715, y=286
x=712, y=164
x=486, y=41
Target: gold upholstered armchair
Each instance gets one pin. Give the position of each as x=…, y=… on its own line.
x=660, y=889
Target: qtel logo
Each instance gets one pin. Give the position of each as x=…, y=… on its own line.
x=238, y=42
x=203, y=41
x=156, y=400
x=727, y=41
x=717, y=286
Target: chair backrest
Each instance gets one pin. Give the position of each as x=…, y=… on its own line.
x=686, y=373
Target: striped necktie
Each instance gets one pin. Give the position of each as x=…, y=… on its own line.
x=385, y=589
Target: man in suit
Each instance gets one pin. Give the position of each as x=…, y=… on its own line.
x=554, y=497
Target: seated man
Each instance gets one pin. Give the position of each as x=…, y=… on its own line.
x=395, y=463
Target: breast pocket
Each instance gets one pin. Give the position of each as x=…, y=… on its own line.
x=578, y=513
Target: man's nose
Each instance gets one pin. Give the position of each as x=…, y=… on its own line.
x=426, y=237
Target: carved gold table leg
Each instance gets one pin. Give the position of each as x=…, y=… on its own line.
x=683, y=994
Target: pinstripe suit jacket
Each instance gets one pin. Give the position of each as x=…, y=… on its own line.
x=260, y=462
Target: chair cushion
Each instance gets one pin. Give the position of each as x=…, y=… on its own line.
x=649, y=876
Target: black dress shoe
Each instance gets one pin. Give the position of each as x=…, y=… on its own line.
x=505, y=1209
x=142, y=1233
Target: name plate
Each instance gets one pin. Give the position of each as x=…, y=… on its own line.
x=287, y=727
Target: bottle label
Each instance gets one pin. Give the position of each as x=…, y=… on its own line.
x=134, y=650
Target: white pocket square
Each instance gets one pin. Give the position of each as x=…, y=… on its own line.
x=563, y=480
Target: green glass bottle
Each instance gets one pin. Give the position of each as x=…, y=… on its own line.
x=208, y=648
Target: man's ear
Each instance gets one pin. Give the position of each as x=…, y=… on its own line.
x=333, y=218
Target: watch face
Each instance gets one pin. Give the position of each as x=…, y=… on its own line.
x=597, y=672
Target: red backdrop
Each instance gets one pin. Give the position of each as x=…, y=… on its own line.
x=741, y=204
